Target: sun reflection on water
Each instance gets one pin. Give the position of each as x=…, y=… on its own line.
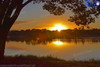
x=58, y=43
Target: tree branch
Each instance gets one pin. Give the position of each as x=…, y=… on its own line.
x=27, y=2
x=11, y=8
x=3, y=9
x=16, y=14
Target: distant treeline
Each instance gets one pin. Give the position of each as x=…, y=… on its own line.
x=42, y=36
x=47, y=34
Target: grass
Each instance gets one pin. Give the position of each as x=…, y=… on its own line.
x=47, y=62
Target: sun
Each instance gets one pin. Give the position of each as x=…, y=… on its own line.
x=58, y=27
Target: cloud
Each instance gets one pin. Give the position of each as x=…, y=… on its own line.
x=22, y=22
x=22, y=25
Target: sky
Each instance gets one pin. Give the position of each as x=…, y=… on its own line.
x=33, y=16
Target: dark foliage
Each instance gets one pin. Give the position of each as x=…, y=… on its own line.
x=34, y=61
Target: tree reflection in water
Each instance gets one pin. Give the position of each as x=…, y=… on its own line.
x=32, y=41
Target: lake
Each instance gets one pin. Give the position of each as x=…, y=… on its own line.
x=67, y=49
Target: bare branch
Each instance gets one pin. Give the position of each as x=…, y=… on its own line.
x=27, y=2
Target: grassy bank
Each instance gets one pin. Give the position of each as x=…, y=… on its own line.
x=47, y=62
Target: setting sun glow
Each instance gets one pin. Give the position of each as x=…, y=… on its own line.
x=59, y=27
x=58, y=43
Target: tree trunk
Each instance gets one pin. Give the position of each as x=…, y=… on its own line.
x=3, y=38
x=7, y=20
x=2, y=47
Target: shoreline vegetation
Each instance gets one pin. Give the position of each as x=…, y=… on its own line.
x=47, y=61
x=47, y=34
x=42, y=36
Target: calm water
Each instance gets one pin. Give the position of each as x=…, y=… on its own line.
x=67, y=49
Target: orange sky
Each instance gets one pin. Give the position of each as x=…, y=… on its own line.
x=33, y=16
x=45, y=23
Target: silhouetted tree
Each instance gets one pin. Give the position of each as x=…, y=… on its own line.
x=84, y=15
x=10, y=10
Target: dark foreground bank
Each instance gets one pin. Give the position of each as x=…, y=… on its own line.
x=33, y=61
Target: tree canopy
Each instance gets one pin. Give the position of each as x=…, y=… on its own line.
x=83, y=15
